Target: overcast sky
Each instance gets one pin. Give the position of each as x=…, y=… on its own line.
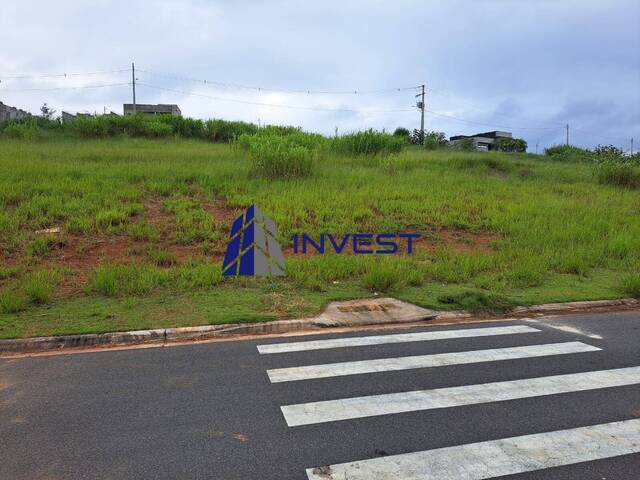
x=524, y=66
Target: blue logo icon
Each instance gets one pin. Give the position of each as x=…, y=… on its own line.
x=253, y=249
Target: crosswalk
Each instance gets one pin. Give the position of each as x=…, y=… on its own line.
x=478, y=460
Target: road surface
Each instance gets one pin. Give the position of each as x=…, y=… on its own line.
x=527, y=399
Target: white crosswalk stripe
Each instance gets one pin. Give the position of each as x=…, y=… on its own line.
x=424, y=361
x=397, y=338
x=471, y=461
x=359, y=407
x=507, y=456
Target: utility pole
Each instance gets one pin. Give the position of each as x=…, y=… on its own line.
x=133, y=85
x=567, y=127
x=536, y=148
x=632, y=146
x=421, y=107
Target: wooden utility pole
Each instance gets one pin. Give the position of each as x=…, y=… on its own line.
x=133, y=85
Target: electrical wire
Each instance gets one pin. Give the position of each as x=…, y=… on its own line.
x=275, y=105
x=61, y=75
x=63, y=88
x=277, y=90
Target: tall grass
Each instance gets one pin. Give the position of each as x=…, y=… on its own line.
x=368, y=142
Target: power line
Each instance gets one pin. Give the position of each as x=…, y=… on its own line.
x=61, y=75
x=278, y=90
x=63, y=88
x=275, y=105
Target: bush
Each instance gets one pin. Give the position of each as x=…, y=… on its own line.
x=402, y=132
x=617, y=174
x=511, y=145
x=567, y=153
x=466, y=144
x=368, y=142
x=608, y=153
x=279, y=156
x=434, y=140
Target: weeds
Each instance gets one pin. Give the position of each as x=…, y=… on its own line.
x=369, y=142
x=477, y=302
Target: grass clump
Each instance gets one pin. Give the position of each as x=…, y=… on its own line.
x=477, y=302
x=383, y=277
x=198, y=276
x=276, y=156
x=39, y=286
x=110, y=218
x=39, y=246
x=11, y=302
x=122, y=280
x=368, y=142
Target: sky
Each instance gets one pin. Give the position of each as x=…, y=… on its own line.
x=529, y=67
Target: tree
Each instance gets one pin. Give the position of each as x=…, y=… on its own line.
x=510, y=145
x=401, y=132
x=47, y=112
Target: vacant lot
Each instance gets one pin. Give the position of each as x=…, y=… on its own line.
x=121, y=234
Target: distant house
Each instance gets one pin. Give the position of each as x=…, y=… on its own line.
x=160, y=109
x=70, y=117
x=8, y=113
x=482, y=141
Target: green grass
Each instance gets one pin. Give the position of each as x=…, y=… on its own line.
x=555, y=233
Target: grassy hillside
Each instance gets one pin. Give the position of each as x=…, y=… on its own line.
x=143, y=226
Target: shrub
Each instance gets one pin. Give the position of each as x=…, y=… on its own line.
x=402, y=132
x=368, y=142
x=465, y=144
x=280, y=156
x=512, y=145
x=567, y=153
x=608, y=153
x=434, y=140
x=617, y=174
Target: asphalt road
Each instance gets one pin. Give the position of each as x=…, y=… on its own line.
x=213, y=410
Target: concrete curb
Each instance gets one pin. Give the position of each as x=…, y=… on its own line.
x=322, y=321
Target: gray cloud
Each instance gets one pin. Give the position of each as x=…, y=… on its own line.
x=497, y=63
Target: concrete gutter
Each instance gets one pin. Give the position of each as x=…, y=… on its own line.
x=353, y=313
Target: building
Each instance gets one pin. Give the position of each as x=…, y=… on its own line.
x=70, y=117
x=482, y=141
x=8, y=113
x=159, y=109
